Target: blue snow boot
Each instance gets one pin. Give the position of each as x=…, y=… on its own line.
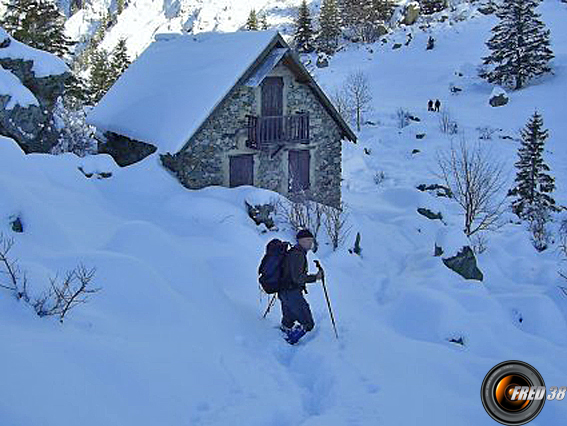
x=296, y=333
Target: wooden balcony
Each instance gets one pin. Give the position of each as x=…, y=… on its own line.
x=268, y=131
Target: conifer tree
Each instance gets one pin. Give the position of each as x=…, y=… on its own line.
x=533, y=184
x=329, y=22
x=101, y=76
x=119, y=59
x=303, y=29
x=252, y=22
x=264, y=22
x=519, y=45
x=37, y=23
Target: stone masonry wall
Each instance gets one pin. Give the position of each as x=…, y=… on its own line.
x=205, y=159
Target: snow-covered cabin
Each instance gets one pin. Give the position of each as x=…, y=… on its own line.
x=227, y=109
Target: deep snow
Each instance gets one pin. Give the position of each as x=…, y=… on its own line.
x=176, y=336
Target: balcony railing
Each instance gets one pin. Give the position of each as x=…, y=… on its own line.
x=268, y=131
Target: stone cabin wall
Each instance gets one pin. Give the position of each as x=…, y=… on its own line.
x=205, y=159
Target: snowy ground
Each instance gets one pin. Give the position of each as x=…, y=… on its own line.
x=176, y=336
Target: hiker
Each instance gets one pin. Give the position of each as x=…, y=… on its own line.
x=437, y=105
x=294, y=278
x=430, y=105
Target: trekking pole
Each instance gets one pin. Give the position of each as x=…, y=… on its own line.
x=318, y=264
x=269, y=306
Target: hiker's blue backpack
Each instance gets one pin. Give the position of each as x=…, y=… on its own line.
x=271, y=267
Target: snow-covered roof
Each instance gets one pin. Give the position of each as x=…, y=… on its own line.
x=170, y=90
x=44, y=63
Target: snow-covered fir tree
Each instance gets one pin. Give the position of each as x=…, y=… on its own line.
x=329, y=22
x=304, y=34
x=263, y=22
x=361, y=18
x=101, y=75
x=534, y=185
x=252, y=22
x=39, y=24
x=119, y=59
x=519, y=45
x=75, y=134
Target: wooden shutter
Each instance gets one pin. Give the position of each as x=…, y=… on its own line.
x=272, y=96
x=241, y=170
x=298, y=170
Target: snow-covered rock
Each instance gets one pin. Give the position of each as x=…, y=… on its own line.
x=30, y=83
x=498, y=97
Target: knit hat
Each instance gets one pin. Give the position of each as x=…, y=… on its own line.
x=304, y=233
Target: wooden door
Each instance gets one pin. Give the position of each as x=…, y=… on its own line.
x=241, y=170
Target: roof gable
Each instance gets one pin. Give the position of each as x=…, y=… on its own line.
x=175, y=84
x=167, y=94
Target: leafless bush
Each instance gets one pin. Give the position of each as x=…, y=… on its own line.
x=359, y=97
x=65, y=295
x=340, y=99
x=335, y=224
x=476, y=181
x=485, y=132
x=302, y=213
x=379, y=177
x=61, y=296
x=16, y=280
x=446, y=123
x=479, y=243
x=403, y=118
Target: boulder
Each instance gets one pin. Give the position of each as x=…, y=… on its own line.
x=261, y=214
x=322, y=61
x=31, y=83
x=411, y=13
x=429, y=214
x=397, y=45
x=464, y=264
x=498, y=97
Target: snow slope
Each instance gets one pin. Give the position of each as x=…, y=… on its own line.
x=176, y=336
x=142, y=19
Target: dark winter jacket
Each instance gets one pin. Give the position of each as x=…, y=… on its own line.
x=295, y=269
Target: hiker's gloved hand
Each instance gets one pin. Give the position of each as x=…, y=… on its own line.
x=319, y=274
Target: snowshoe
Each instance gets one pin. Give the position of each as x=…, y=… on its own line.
x=296, y=333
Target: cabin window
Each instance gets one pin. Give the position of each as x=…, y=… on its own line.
x=299, y=170
x=241, y=170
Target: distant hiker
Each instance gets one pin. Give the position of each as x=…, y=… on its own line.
x=437, y=105
x=295, y=276
x=430, y=105
x=430, y=43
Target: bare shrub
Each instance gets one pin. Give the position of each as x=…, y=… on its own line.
x=379, y=177
x=485, y=132
x=359, y=97
x=446, y=123
x=63, y=296
x=403, y=117
x=302, y=213
x=335, y=224
x=479, y=243
x=476, y=181
x=16, y=280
